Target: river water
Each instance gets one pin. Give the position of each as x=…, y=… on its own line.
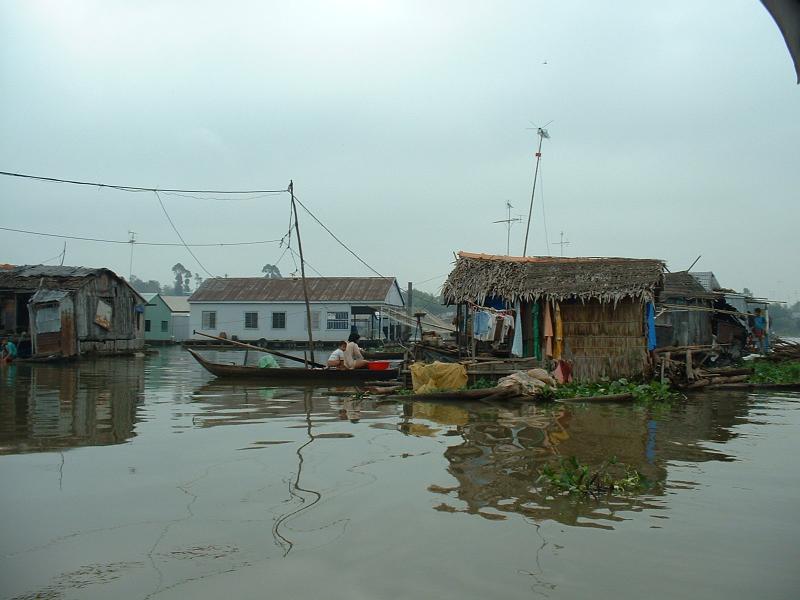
x=146, y=478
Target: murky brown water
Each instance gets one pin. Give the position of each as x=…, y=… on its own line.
x=145, y=478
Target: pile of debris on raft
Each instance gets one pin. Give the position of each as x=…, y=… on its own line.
x=694, y=366
x=784, y=350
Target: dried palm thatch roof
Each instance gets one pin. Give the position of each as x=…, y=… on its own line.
x=480, y=276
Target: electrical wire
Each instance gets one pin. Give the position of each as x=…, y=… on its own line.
x=430, y=279
x=341, y=243
x=180, y=237
x=137, y=243
x=133, y=188
x=256, y=197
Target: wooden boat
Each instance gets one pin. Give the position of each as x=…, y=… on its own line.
x=293, y=374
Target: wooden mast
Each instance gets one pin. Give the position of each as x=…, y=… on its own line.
x=302, y=274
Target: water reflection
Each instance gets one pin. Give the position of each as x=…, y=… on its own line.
x=503, y=449
x=88, y=403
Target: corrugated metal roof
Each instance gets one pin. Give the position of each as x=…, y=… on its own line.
x=148, y=296
x=681, y=284
x=707, y=280
x=28, y=277
x=177, y=303
x=43, y=296
x=320, y=289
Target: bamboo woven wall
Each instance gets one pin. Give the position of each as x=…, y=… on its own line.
x=605, y=340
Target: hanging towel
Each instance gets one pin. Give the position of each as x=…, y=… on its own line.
x=548, y=330
x=651, y=326
x=558, y=347
x=537, y=338
x=516, y=346
x=480, y=325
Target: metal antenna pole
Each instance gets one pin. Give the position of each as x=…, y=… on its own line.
x=63, y=254
x=131, y=241
x=562, y=243
x=509, y=222
x=302, y=273
x=542, y=133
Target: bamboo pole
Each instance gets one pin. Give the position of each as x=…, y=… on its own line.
x=302, y=274
x=252, y=347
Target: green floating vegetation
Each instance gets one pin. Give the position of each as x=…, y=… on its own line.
x=571, y=477
x=765, y=371
x=481, y=384
x=655, y=391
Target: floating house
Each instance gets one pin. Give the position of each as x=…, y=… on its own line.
x=591, y=312
x=261, y=309
x=166, y=318
x=70, y=311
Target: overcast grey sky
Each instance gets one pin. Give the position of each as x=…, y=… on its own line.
x=404, y=126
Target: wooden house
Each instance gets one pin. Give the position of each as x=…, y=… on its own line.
x=601, y=303
x=685, y=312
x=70, y=311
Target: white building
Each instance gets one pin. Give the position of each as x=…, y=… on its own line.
x=257, y=308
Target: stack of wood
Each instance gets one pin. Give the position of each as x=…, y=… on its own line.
x=688, y=367
x=784, y=350
x=712, y=377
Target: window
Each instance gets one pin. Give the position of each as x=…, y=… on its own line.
x=279, y=320
x=147, y=324
x=314, y=320
x=164, y=326
x=209, y=319
x=251, y=320
x=338, y=320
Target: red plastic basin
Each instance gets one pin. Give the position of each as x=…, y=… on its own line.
x=378, y=365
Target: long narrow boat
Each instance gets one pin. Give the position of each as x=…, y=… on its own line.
x=293, y=374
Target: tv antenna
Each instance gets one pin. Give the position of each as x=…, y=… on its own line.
x=131, y=241
x=509, y=221
x=562, y=243
x=543, y=134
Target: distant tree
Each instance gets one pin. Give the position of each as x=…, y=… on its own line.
x=183, y=277
x=143, y=286
x=197, y=280
x=271, y=272
x=426, y=302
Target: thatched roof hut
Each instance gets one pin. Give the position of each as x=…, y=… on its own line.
x=477, y=277
x=600, y=304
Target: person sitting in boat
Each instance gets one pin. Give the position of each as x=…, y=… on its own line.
x=353, y=358
x=336, y=359
x=8, y=350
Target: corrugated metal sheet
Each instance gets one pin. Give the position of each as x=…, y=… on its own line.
x=42, y=296
x=177, y=303
x=320, y=289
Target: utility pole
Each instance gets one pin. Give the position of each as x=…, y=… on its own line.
x=509, y=222
x=63, y=254
x=302, y=273
x=131, y=241
x=542, y=133
x=562, y=243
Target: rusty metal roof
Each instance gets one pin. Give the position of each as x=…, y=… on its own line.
x=320, y=289
x=48, y=277
x=31, y=277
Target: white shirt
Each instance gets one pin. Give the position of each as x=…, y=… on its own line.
x=337, y=354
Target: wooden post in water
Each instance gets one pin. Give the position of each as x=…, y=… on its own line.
x=302, y=273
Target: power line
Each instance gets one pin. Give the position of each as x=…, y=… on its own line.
x=341, y=243
x=133, y=188
x=138, y=243
x=256, y=197
x=180, y=237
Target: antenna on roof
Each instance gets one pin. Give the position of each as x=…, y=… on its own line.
x=543, y=134
x=694, y=263
x=562, y=243
x=509, y=221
